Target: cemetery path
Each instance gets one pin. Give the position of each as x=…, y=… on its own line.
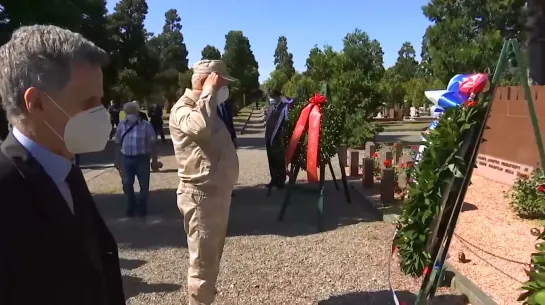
x=265, y=261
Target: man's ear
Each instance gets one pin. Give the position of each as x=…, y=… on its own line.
x=33, y=100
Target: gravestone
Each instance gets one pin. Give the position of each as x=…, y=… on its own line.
x=368, y=172
x=387, y=186
x=370, y=149
x=391, y=113
x=398, y=152
x=354, y=163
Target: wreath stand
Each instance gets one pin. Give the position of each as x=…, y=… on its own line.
x=445, y=222
x=295, y=167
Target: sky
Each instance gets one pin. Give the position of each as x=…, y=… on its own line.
x=305, y=23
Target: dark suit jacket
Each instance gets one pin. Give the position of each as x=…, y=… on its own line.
x=155, y=114
x=143, y=116
x=42, y=253
x=228, y=119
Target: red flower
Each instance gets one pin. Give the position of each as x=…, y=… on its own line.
x=541, y=188
x=415, y=147
x=426, y=270
x=470, y=103
x=387, y=163
x=410, y=165
x=375, y=154
x=402, y=165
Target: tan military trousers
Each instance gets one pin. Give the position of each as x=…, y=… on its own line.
x=205, y=223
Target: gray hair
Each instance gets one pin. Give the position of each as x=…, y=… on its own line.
x=196, y=78
x=41, y=56
x=131, y=108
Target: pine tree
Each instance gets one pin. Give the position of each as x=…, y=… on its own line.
x=210, y=52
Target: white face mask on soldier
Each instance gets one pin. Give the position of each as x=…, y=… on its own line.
x=87, y=131
x=222, y=95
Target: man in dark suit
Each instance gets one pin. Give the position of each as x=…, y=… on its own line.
x=155, y=114
x=225, y=112
x=55, y=247
x=273, y=128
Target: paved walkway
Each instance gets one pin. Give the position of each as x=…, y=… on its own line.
x=399, y=136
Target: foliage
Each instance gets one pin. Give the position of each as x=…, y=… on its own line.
x=528, y=195
x=355, y=72
x=415, y=88
x=276, y=81
x=331, y=128
x=535, y=286
x=360, y=129
x=461, y=41
x=241, y=64
x=170, y=51
x=299, y=82
x=442, y=161
x=210, y=52
x=136, y=64
x=283, y=59
x=406, y=65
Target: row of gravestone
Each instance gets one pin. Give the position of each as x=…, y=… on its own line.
x=397, y=154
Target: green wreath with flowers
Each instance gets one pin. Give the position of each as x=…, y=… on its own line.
x=331, y=126
x=440, y=162
x=535, y=286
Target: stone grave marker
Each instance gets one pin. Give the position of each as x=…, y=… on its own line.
x=398, y=152
x=387, y=186
x=368, y=172
x=354, y=163
x=370, y=149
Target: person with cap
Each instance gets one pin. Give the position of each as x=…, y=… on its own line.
x=55, y=247
x=208, y=170
x=135, y=147
x=273, y=128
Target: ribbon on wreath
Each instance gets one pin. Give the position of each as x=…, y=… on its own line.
x=462, y=90
x=311, y=116
x=283, y=116
x=393, y=252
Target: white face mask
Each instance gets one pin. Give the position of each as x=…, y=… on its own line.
x=87, y=131
x=222, y=95
x=132, y=118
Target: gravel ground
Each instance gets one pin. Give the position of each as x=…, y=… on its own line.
x=497, y=242
x=265, y=261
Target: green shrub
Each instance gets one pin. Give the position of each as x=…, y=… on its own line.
x=528, y=196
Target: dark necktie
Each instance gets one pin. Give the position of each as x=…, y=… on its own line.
x=84, y=213
x=221, y=112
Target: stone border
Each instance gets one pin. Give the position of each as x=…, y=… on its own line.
x=459, y=283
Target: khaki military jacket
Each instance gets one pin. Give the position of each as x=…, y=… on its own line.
x=206, y=157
